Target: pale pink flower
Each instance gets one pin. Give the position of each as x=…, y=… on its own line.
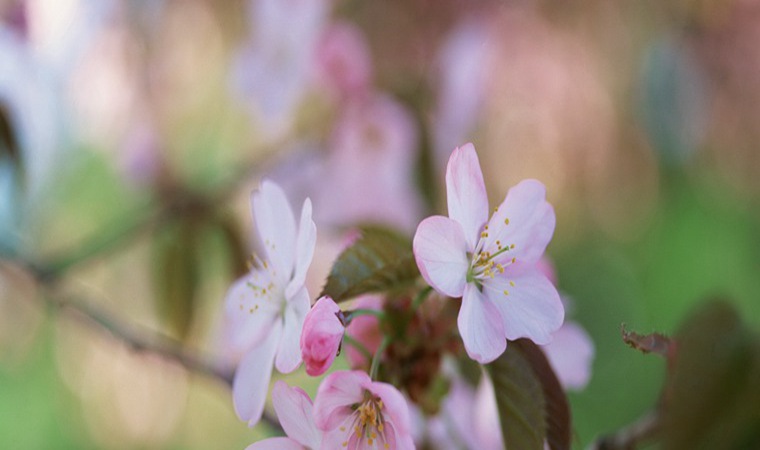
x=295, y=411
x=272, y=70
x=265, y=309
x=491, y=264
x=364, y=330
x=370, y=171
x=321, y=336
x=356, y=413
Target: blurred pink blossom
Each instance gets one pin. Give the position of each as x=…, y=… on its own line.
x=265, y=309
x=491, y=264
x=343, y=64
x=369, y=173
x=321, y=336
x=272, y=71
x=357, y=413
x=364, y=330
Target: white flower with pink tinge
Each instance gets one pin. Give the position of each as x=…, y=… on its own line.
x=265, y=309
x=491, y=264
x=356, y=413
x=295, y=411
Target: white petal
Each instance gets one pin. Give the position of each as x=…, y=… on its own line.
x=305, y=243
x=441, y=253
x=571, y=353
x=276, y=227
x=466, y=192
x=247, y=319
x=289, y=351
x=295, y=411
x=531, y=222
x=277, y=443
x=532, y=308
x=480, y=326
x=251, y=383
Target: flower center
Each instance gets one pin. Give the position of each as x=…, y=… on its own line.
x=488, y=262
x=267, y=292
x=367, y=422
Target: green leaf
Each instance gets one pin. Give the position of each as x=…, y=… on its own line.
x=380, y=260
x=176, y=274
x=532, y=406
x=519, y=399
x=712, y=397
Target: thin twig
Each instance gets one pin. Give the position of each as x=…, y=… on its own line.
x=635, y=434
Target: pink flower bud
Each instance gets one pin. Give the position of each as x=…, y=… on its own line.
x=321, y=336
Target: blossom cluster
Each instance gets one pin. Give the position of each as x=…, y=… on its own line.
x=494, y=265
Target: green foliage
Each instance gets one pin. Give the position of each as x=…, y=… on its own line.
x=712, y=396
x=532, y=405
x=380, y=260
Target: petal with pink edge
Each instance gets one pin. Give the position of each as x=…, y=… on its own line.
x=480, y=326
x=532, y=308
x=295, y=411
x=251, y=383
x=289, y=350
x=276, y=226
x=395, y=405
x=278, y=443
x=440, y=250
x=524, y=219
x=466, y=192
x=336, y=394
x=305, y=243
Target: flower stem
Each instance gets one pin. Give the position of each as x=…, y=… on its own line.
x=358, y=346
x=420, y=298
x=365, y=312
x=378, y=354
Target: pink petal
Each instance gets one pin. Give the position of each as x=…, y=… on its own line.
x=251, y=383
x=466, y=193
x=295, y=411
x=336, y=394
x=276, y=226
x=531, y=221
x=441, y=253
x=289, y=350
x=277, y=443
x=305, y=243
x=395, y=406
x=321, y=336
x=571, y=353
x=247, y=320
x=485, y=420
x=532, y=309
x=365, y=330
x=480, y=326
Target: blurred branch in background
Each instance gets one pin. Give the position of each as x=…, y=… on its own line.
x=640, y=432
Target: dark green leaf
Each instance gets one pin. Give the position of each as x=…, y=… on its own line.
x=557, y=413
x=712, y=397
x=519, y=399
x=380, y=260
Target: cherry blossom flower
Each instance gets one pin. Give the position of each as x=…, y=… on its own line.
x=295, y=412
x=321, y=336
x=343, y=65
x=265, y=309
x=357, y=413
x=491, y=264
